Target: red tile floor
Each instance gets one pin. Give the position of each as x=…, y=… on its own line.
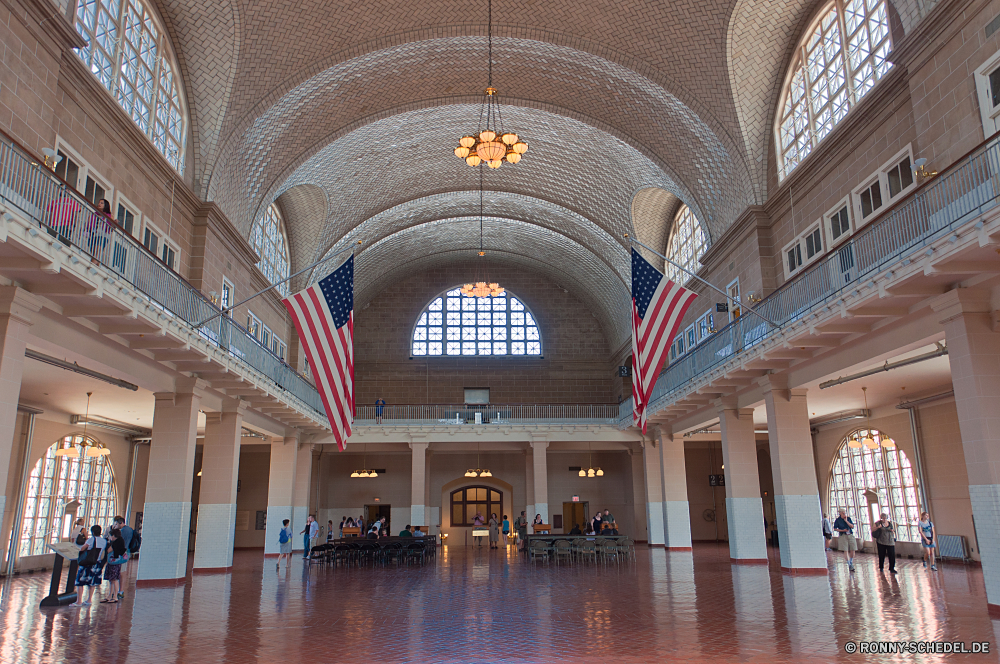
x=477, y=605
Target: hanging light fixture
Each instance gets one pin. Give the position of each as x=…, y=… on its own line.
x=87, y=447
x=868, y=441
x=364, y=472
x=490, y=144
x=478, y=472
x=481, y=287
x=591, y=470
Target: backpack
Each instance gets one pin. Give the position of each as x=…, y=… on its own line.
x=135, y=542
x=283, y=536
x=91, y=556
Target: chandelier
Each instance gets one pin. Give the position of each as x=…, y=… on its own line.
x=481, y=287
x=364, y=472
x=490, y=144
x=856, y=442
x=88, y=447
x=591, y=470
x=478, y=472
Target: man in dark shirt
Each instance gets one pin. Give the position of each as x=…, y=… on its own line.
x=845, y=537
x=406, y=532
x=576, y=530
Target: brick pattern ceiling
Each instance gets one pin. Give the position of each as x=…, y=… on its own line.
x=347, y=114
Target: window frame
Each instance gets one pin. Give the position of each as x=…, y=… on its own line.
x=464, y=502
x=685, y=215
x=462, y=326
x=831, y=242
x=269, y=248
x=706, y=325
x=226, y=296
x=881, y=176
x=734, y=305
x=164, y=241
x=137, y=216
x=800, y=243
x=988, y=113
x=86, y=170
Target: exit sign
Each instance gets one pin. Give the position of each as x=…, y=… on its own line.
x=576, y=499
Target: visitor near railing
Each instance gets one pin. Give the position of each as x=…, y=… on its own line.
x=966, y=189
x=71, y=219
x=518, y=413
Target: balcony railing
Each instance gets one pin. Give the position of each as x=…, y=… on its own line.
x=70, y=218
x=965, y=190
x=486, y=414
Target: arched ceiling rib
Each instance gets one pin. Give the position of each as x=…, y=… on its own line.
x=593, y=94
x=445, y=242
x=653, y=212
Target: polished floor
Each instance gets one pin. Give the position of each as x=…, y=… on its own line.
x=477, y=605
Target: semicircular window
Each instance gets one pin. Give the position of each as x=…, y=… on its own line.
x=455, y=325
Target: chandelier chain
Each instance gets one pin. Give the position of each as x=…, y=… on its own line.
x=489, y=28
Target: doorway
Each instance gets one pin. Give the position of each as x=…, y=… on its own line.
x=576, y=513
x=373, y=512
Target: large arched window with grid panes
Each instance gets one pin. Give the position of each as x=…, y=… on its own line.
x=871, y=475
x=57, y=480
x=686, y=245
x=268, y=240
x=130, y=54
x=453, y=324
x=843, y=54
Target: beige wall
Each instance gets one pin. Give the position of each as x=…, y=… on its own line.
x=255, y=468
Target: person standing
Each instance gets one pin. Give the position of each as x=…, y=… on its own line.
x=128, y=537
x=117, y=555
x=329, y=530
x=88, y=574
x=477, y=522
x=845, y=538
x=494, y=531
x=884, y=534
x=505, y=530
x=596, y=523
x=521, y=523
x=827, y=531
x=927, y=536
x=284, y=544
x=379, y=405
x=343, y=522
x=308, y=533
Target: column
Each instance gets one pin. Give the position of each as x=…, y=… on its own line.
x=280, y=487
x=301, y=494
x=654, y=490
x=166, y=518
x=747, y=540
x=539, y=457
x=220, y=466
x=529, y=487
x=16, y=309
x=974, y=354
x=676, y=512
x=418, y=485
x=796, y=493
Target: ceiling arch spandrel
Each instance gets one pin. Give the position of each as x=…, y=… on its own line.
x=444, y=242
x=653, y=212
x=304, y=211
x=709, y=172
x=455, y=205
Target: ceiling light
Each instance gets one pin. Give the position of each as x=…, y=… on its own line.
x=355, y=474
x=590, y=472
x=583, y=473
x=600, y=473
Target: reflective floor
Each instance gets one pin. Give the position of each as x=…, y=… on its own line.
x=477, y=605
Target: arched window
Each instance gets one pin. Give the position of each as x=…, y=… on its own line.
x=687, y=244
x=829, y=74
x=131, y=55
x=868, y=481
x=268, y=240
x=453, y=324
x=467, y=501
x=58, y=480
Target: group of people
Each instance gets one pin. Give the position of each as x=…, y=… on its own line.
x=884, y=534
x=103, y=557
x=496, y=526
x=65, y=212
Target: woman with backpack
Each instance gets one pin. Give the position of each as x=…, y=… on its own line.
x=116, y=555
x=284, y=545
x=89, y=573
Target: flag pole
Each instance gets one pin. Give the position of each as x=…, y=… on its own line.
x=692, y=274
x=275, y=284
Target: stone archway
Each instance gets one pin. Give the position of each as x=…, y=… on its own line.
x=457, y=535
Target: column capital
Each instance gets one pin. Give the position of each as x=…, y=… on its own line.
x=238, y=406
x=728, y=402
x=190, y=385
x=539, y=444
x=18, y=303
x=960, y=301
x=778, y=385
x=660, y=432
x=420, y=445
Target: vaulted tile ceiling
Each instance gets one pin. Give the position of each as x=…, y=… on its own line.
x=346, y=113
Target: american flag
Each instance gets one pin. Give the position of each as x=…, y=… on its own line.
x=324, y=318
x=658, y=306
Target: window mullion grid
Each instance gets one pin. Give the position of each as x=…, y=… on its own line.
x=845, y=53
x=154, y=116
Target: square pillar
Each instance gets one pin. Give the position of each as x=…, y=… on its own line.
x=974, y=354
x=418, y=485
x=676, y=511
x=654, y=491
x=220, y=466
x=796, y=493
x=166, y=519
x=17, y=307
x=539, y=456
x=302, y=493
x=744, y=508
x=280, y=491
x=529, y=487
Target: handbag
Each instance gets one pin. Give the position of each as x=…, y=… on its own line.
x=91, y=556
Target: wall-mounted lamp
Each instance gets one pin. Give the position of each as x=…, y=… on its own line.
x=52, y=158
x=919, y=168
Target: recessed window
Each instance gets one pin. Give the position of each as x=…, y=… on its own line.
x=227, y=295
x=692, y=336
x=254, y=326
x=126, y=218
x=794, y=256
x=469, y=501
x=268, y=240
x=131, y=55
x=814, y=244
x=456, y=325
x=803, y=250
x=687, y=244
x=871, y=199
x=838, y=223
x=839, y=60
x=706, y=326
x=733, y=289
x=899, y=177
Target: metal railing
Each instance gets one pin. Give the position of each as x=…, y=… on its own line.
x=965, y=190
x=498, y=414
x=71, y=219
